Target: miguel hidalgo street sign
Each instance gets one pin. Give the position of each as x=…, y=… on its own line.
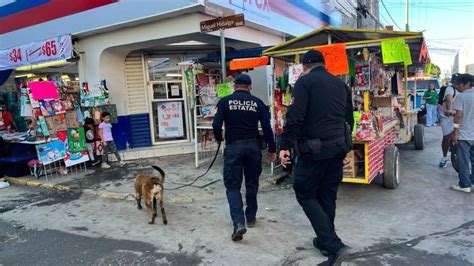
x=223, y=23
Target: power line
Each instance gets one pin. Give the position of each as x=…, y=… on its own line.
x=390, y=15
x=455, y=38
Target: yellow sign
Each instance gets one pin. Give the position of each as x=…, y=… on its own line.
x=393, y=51
x=407, y=55
x=428, y=68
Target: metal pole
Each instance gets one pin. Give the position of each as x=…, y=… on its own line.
x=223, y=62
x=407, y=15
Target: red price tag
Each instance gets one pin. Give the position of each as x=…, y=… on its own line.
x=49, y=48
x=15, y=55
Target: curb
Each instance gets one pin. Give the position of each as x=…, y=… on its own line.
x=35, y=183
x=189, y=198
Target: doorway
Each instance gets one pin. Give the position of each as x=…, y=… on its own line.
x=169, y=114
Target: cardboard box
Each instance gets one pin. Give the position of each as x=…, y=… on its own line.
x=350, y=168
x=382, y=101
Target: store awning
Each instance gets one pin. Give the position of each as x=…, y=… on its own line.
x=352, y=38
x=4, y=75
x=247, y=63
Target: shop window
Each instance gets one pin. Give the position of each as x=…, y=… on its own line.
x=164, y=68
x=159, y=91
x=169, y=120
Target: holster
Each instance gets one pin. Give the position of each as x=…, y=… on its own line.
x=348, y=137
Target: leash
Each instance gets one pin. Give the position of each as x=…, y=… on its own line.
x=205, y=173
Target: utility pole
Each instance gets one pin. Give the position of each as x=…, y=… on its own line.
x=407, y=15
x=359, y=14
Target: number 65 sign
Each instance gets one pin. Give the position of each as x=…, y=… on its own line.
x=57, y=48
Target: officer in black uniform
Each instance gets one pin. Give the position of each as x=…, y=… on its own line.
x=318, y=124
x=241, y=113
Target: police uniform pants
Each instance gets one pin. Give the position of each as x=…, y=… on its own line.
x=241, y=158
x=316, y=184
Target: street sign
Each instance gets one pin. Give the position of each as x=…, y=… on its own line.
x=223, y=23
x=216, y=10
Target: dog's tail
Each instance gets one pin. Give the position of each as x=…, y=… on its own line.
x=162, y=173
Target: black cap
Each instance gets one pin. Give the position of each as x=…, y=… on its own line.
x=313, y=56
x=454, y=77
x=243, y=79
x=464, y=78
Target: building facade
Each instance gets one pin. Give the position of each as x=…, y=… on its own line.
x=463, y=60
x=136, y=46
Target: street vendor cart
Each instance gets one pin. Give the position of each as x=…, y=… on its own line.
x=375, y=64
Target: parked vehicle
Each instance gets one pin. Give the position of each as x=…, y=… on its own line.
x=421, y=85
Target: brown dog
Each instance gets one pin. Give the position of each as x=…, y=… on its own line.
x=151, y=189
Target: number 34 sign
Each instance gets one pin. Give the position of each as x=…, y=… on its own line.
x=38, y=52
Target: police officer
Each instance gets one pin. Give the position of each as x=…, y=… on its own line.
x=318, y=124
x=241, y=113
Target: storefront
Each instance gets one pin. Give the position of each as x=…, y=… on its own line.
x=138, y=50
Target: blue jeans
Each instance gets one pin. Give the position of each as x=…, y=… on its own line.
x=465, y=156
x=242, y=158
x=431, y=114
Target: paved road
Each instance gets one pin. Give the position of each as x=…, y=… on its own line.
x=420, y=223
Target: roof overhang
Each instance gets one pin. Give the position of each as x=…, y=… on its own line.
x=352, y=38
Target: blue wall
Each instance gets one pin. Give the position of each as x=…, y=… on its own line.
x=132, y=128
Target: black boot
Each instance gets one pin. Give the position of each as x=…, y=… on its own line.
x=339, y=257
x=316, y=245
x=239, y=232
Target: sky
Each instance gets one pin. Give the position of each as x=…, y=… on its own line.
x=446, y=25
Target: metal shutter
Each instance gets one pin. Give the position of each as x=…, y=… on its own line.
x=136, y=85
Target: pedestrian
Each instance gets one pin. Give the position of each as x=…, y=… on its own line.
x=91, y=139
x=241, y=112
x=446, y=99
x=108, y=141
x=463, y=135
x=7, y=122
x=431, y=97
x=318, y=124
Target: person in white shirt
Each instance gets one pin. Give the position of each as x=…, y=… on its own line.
x=463, y=135
x=447, y=119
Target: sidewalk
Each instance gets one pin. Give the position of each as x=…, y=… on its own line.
x=116, y=183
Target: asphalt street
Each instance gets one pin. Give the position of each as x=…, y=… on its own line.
x=421, y=222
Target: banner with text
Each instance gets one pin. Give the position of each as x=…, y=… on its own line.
x=394, y=51
x=58, y=48
x=335, y=58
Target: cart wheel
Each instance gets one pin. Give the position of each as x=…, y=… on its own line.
x=454, y=157
x=419, y=133
x=391, y=166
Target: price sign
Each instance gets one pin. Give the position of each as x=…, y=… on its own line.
x=38, y=52
x=335, y=58
x=49, y=48
x=393, y=51
x=15, y=55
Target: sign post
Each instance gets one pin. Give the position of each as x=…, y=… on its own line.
x=221, y=24
x=223, y=61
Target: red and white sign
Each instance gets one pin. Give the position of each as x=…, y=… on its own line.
x=53, y=49
x=170, y=119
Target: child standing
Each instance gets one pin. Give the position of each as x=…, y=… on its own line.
x=108, y=141
x=90, y=139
